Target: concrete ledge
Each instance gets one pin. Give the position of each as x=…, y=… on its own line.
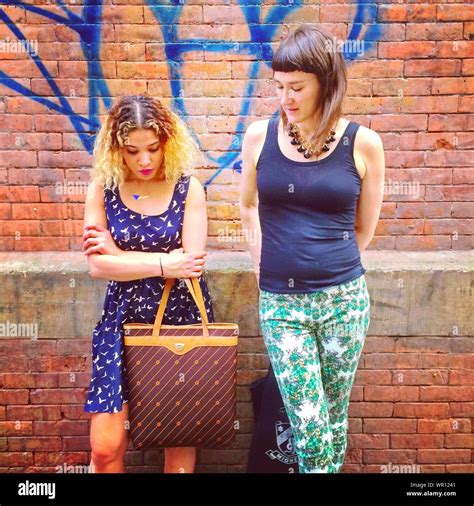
x=412, y=293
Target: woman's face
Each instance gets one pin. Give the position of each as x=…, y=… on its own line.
x=298, y=94
x=143, y=153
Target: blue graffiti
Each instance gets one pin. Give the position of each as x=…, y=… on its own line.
x=88, y=28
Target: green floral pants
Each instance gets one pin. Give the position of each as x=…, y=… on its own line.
x=314, y=341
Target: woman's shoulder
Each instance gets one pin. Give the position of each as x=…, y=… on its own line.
x=195, y=194
x=257, y=128
x=367, y=139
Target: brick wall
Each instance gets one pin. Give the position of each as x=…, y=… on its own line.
x=413, y=83
x=412, y=404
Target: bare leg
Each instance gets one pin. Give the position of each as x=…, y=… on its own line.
x=180, y=460
x=109, y=441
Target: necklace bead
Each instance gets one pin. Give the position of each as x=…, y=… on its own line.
x=298, y=140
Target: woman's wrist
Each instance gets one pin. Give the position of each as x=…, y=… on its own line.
x=162, y=264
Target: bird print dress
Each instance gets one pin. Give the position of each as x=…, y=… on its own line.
x=137, y=301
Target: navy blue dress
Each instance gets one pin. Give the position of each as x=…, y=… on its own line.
x=137, y=301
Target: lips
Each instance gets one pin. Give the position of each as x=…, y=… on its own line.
x=146, y=172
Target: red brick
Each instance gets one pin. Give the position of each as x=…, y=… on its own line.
x=17, y=122
x=455, y=12
x=58, y=364
x=75, y=411
x=78, y=69
x=74, y=379
x=434, y=31
x=392, y=456
x=446, y=393
x=16, y=428
x=12, y=380
x=371, y=409
x=375, y=344
x=461, y=377
x=374, y=441
x=403, y=123
x=460, y=468
x=444, y=426
x=468, y=67
x=422, y=12
x=372, y=377
x=460, y=409
x=391, y=393
x=77, y=443
x=418, y=409
x=432, y=468
x=19, y=364
x=19, y=193
x=71, y=458
x=389, y=425
x=14, y=396
x=406, y=50
x=33, y=413
x=21, y=444
x=391, y=360
x=460, y=361
x=458, y=192
x=459, y=441
x=20, y=228
x=438, y=122
x=444, y=456
x=395, y=86
x=462, y=209
x=432, y=68
x=57, y=396
x=392, y=12
x=455, y=49
x=400, y=227
x=38, y=211
x=11, y=459
x=377, y=69
x=416, y=441
x=61, y=428
x=353, y=455
x=420, y=377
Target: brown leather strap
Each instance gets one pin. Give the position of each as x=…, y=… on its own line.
x=195, y=289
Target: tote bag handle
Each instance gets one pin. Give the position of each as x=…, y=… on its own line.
x=195, y=289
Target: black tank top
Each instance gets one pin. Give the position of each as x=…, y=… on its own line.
x=307, y=215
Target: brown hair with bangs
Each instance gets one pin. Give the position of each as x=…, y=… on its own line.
x=309, y=49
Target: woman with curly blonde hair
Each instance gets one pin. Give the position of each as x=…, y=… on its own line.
x=145, y=220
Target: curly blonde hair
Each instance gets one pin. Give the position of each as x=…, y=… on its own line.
x=141, y=111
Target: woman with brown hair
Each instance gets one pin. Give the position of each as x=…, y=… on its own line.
x=145, y=221
x=312, y=189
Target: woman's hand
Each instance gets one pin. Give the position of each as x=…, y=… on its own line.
x=97, y=239
x=178, y=264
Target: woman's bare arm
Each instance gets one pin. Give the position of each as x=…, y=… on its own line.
x=251, y=148
x=126, y=265
x=371, y=196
